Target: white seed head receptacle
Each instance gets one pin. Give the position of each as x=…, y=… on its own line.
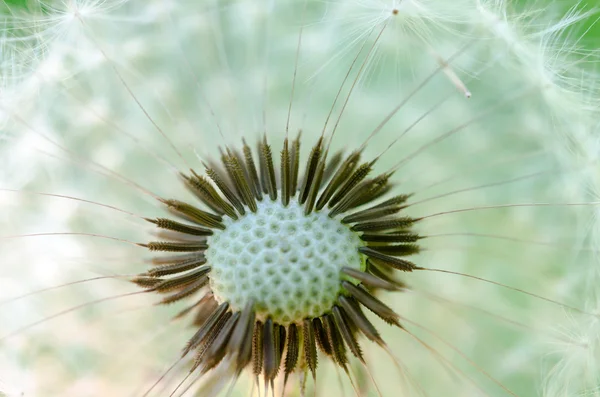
x=288, y=262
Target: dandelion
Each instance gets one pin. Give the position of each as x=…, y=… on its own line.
x=370, y=198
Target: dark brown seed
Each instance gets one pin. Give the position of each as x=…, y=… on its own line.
x=370, y=280
x=267, y=169
x=370, y=191
x=262, y=168
x=345, y=328
x=372, y=303
x=376, y=213
x=397, y=249
x=174, y=268
x=388, y=224
x=285, y=173
x=175, y=226
x=225, y=189
x=293, y=350
x=170, y=284
x=180, y=283
x=252, y=173
x=332, y=165
x=353, y=311
x=396, y=200
x=246, y=171
x=240, y=344
x=195, y=186
x=145, y=281
x=295, y=165
x=217, y=349
x=205, y=191
x=316, y=185
x=335, y=340
x=321, y=336
x=280, y=344
x=379, y=258
x=343, y=172
x=212, y=192
x=377, y=272
x=194, y=214
x=309, y=345
x=357, y=176
x=176, y=237
x=404, y=236
x=257, y=348
x=270, y=350
x=206, y=328
x=311, y=169
x=209, y=340
x=170, y=259
x=362, y=193
x=185, y=292
x=240, y=182
x=168, y=246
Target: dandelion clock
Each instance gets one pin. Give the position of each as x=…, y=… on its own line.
x=298, y=198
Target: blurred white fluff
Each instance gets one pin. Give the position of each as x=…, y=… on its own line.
x=573, y=361
x=190, y=63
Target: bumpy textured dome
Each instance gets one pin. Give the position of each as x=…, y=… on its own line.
x=288, y=262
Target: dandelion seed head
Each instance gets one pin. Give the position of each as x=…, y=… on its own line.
x=210, y=73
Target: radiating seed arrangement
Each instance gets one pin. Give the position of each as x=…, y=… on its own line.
x=259, y=308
